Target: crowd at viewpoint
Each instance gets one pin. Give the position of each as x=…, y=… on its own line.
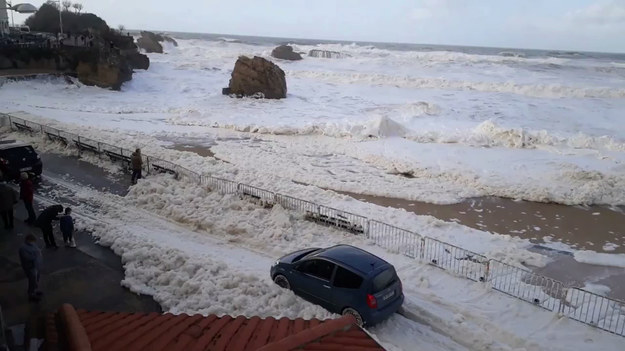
x=30, y=253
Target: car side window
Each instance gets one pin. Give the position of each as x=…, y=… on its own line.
x=346, y=279
x=319, y=268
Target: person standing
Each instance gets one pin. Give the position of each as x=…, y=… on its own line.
x=137, y=164
x=27, y=192
x=30, y=258
x=8, y=198
x=67, y=228
x=44, y=221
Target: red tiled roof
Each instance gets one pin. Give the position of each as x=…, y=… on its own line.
x=81, y=330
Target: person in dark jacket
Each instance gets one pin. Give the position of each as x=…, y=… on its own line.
x=27, y=191
x=67, y=228
x=44, y=221
x=30, y=258
x=8, y=198
x=136, y=163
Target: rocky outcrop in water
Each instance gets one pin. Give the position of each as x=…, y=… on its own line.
x=103, y=74
x=325, y=54
x=285, y=52
x=139, y=61
x=257, y=77
x=151, y=42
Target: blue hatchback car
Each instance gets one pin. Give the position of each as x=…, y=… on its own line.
x=344, y=280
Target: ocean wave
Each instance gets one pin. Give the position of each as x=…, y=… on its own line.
x=229, y=40
x=433, y=57
x=511, y=54
x=405, y=111
x=537, y=90
x=485, y=134
x=488, y=133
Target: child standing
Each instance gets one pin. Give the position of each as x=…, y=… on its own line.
x=67, y=228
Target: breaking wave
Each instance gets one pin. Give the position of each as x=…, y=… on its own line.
x=537, y=90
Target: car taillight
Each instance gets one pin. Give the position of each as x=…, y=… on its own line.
x=371, y=301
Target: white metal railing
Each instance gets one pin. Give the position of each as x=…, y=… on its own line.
x=580, y=305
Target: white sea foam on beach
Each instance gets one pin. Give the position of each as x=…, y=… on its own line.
x=450, y=119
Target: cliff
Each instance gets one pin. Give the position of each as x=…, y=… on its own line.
x=89, y=50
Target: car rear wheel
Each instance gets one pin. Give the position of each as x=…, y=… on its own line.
x=282, y=281
x=353, y=312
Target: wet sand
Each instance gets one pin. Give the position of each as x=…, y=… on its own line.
x=580, y=227
x=198, y=149
x=596, y=228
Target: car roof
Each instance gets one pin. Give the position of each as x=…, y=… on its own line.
x=11, y=144
x=353, y=257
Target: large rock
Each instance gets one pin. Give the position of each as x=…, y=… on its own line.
x=138, y=61
x=149, y=44
x=103, y=74
x=285, y=52
x=325, y=54
x=257, y=77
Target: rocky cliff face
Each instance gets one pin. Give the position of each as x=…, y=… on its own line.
x=100, y=65
x=103, y=74
x=106, y=59
x=257, y=77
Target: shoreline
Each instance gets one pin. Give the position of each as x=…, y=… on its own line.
x=547, y=225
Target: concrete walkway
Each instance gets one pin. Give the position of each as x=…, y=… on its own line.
x=87, y=277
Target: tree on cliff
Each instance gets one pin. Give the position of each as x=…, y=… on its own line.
x=66, y=5
x=47, y=20
x=77, y=7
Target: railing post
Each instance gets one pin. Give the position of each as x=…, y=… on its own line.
x=563, y=301
x=486, y=272
x=10, y=122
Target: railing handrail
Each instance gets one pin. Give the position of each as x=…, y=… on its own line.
x=485, y=265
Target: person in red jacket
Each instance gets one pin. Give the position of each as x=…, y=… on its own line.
x=27, y=191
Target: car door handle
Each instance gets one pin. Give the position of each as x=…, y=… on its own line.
x=327, y=286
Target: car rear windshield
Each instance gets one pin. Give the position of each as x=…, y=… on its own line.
x=18, y=153
x=384, y=280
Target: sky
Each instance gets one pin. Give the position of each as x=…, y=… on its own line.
x=581, y=25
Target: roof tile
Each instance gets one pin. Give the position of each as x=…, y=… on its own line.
x=160, y=332
x=210, y=332
x=119, y=329
x=262, y=333
x=222, y=340
x=244, y=335
x=169, y=337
